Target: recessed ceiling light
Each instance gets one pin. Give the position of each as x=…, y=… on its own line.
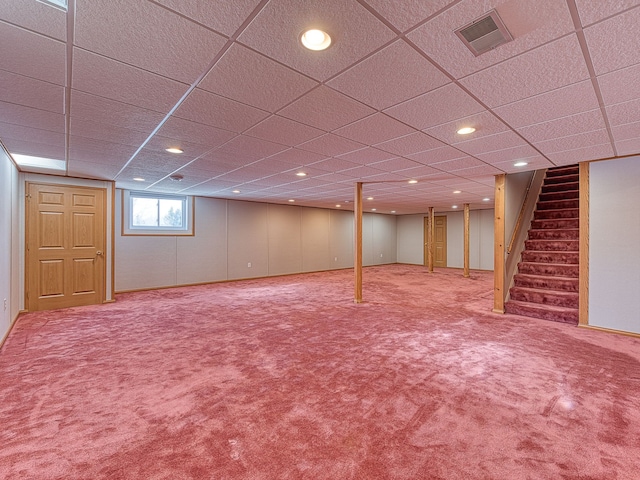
x=457, y=191
x=138, y=179
x=174, y=150
x=369, y=198
x=454, y=206
x=466, y=130
x=235, y=191
x=486, y=199
x=291, y=200
x=338, y=205
x=520, y=164
x=393, y=211
x=373, y=209
x=315, y=39
x=413, y=181
x=301, y=174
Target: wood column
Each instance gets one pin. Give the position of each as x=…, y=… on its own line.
x=357, y=263
x=498, y=245
x=466, y=241
x=430, y=239
x=583, y=289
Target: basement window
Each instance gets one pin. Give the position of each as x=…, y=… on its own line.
x=61, y=4
x=145, y=213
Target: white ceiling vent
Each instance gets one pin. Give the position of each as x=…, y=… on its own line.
x=484, y=33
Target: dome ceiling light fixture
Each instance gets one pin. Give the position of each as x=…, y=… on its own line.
x=176, y=177
x=315, y=39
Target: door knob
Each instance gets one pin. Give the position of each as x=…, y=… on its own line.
x=99, y=252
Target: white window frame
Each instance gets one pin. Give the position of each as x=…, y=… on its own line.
x=187, y=213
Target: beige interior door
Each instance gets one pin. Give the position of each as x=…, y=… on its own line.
x=65, y=235
x=440, y=241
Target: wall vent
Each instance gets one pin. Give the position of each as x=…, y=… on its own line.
x=484, y=33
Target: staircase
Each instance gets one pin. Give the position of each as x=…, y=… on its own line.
x=546, y=285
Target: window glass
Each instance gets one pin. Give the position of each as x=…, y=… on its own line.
x=145, y=213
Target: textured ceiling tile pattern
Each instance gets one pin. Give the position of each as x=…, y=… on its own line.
x=401, y=83
x=248, y=77
x=377, y=106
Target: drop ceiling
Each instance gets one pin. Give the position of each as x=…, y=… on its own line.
x=108, y=85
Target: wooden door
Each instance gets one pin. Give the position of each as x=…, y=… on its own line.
x=440, y=241
x=65, y=235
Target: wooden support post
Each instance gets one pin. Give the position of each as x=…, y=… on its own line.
x=498, y=245
x=357, y=264
x=466, y=241
x=583, y=290
x=430, y=239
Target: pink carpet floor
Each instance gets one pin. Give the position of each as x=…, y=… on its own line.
x=287, y=378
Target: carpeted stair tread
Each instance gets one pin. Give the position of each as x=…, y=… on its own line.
x=552, y=269
x=554, y=234
x=554, y=223
x=560, y=187
x=545, y=312
x=559, y=213
x=558, y=204
x=567, y=284
x=551, y=256
x=572, y=177
x=545, y=296
x=559, y=171
x=563, y=195
x=550, y=245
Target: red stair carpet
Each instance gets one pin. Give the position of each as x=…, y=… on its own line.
x=288, y=378
x=546, y=285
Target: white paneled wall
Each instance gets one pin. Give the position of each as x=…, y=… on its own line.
x=236, y=239
x=614, y=235
x=411, y=239
x=9, y=240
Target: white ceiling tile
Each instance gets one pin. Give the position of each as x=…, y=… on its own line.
x=220, y=112
x=374, y=129
x=573, y=142
x=108, y=78
x=366, y=156
x=408, y=144
x=99, y=171
x=31, y=93
x=565, y=126
x=546, y=68
x=248, y=77
x=620, y=86
x=628, y=147
x=160, y=144
x=473, y=172
x=334, y=164
x=361, y=171
x=96, y=151
x=422, y=171
x=591, y=152
x=250, y=148
x=514, y=154
x=295, y=156
x=25, y=134
x=484, y=122
x=355, y=32
x=326, y=109
x=111, y=112
x=36, y=16
x=606, y=37
x=284, y=131
x=404, y=14
x=489, y=143
x=591, y=12
x=46, y=149
x=180, y=129
x=144, y=34
x=362, y=81
x=330, y=145
x=531, y=24
x=624, y=113
x=437, y=155
x=440, y=106
x=395, y=164
x=626, y=132
x=458, y=164
x=225, y=17
x=31, y=117
x=32, y=55
x=576, y=98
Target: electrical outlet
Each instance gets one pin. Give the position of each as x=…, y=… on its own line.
x=335, y=259
x=249, y=265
